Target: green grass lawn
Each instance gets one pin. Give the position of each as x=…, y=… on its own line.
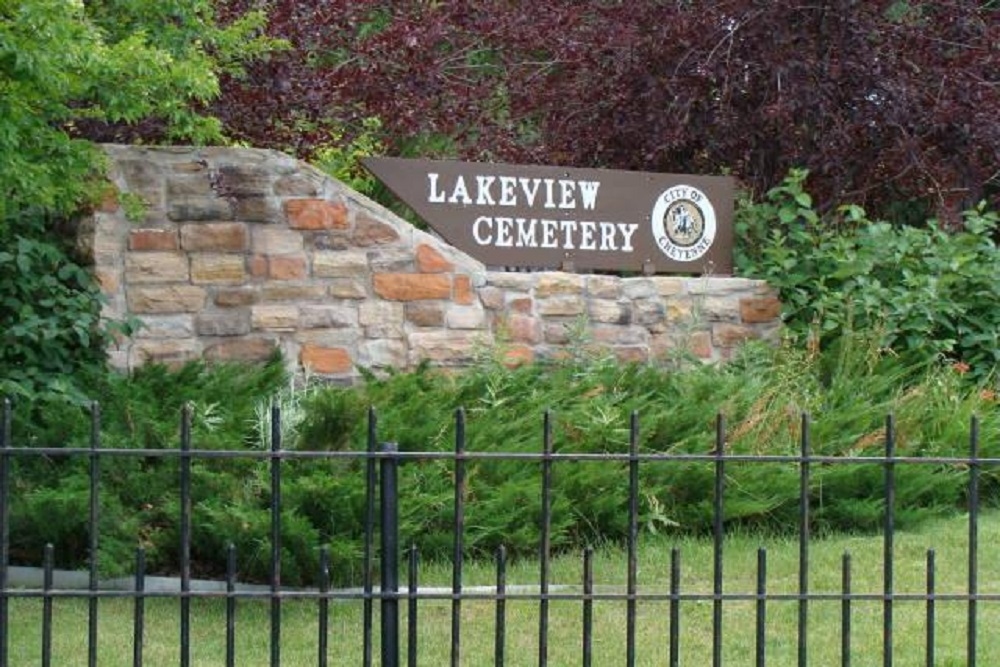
x=299, y=618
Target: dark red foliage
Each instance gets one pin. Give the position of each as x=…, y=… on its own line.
x=883, y=101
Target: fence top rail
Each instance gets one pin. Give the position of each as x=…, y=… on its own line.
x=467, y=455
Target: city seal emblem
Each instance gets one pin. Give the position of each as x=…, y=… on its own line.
x=683, y=223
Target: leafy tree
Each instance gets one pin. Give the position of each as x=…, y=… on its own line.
x=65, y=68
x=883, y=102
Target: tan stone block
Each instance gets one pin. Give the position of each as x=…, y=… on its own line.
x=292, y=292
x=108, y=280
x=382, y=354
x=720, y=308
x=215, y=269
x=521, y=282
x=669, y=286
x=153, y=240
x=679, y=311
x=560, y=306
x=156, y=267
x=339, y=264
x=758, y=310
x=214, y=237
x=241, y=349
x=165, y=299
x=326, y=360
x=345, y=288
x=616, y=335
x=412, y=286
x=639, y=288
x=373, y=312
x=604, y=287
x=272, y=240
x=166, y=326
x=315, y=214
x=171, y=353
x=551, y=284
x=464, y=317
x=430, y=260
x=327, y=317
x=368, y=232
x=611, y=312
x=275, y=317
x=448, y=348
x=233, y=298
x=229, y=322
x=464, y=294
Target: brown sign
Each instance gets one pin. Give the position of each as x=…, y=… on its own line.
x=570, y=219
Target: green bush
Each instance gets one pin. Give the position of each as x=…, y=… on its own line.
x=931, y=293
x=848, y=390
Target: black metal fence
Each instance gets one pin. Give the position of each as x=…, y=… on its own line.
x=394, y=638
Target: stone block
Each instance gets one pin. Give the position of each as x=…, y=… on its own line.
x=492, y=297
x=326, y=360
x=523, y=328
x=327, y=317
x=189, y=185
x=391, y=261
x=335, y=240
x=287, y=267
x=463, y=292
x=156, y=267
x=166, y=326
x=257, y=209
x=235, y=297
x=172, y=353
x=371, y=313
x=241, y=349
x=217, y=237
x=725, y=334
x=166, y=299
x=448, y=348
x=430, y=260
x=265, y=317
x=382, y=354
x=346, y=288
x=615, y=335
x=561, y=306
x=340, y=264
x=315, y=214
x=669, y=286
x=651, y=313
x=244, y=180
x=610, y=312
x=232, y=322
x=639, y=288
x=271, y=240
x=465, y=317
x=425, y=313
x=604, y=287
x=308, y=291
x=758, y=310
x=517, y=355
x=299, y=184
x=369, y=232
x=194, y=209
x=521, y=282
x=552, y=284
x=720, y=308
x=521, y=304
x=153, y=240
x=636, y=354
x=217, y=269
x=411, y=286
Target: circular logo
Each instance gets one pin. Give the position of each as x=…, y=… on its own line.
x=683, y=223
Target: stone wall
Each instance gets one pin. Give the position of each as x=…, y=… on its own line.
x=227, y=253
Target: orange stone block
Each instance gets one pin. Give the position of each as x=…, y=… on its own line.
x=412, y=286
x=463, y=291
x=429, y=260
x=315, y=214
x=518, y=355
x=760, y=309
x=152, y=240
x=287, y=268
x=326, y=360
